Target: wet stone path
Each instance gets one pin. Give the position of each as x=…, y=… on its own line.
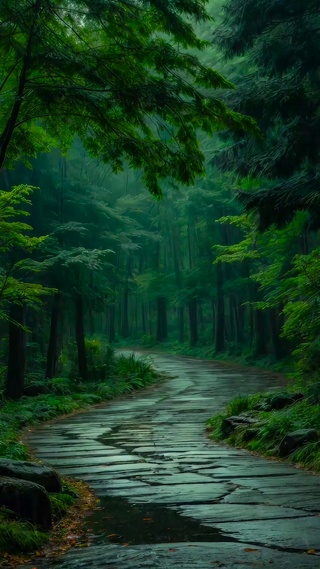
x=171, y=498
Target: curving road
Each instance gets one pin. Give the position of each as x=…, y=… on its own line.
x=171, y=498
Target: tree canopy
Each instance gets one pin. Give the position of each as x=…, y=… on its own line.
x=280, y=42
x=116, y=73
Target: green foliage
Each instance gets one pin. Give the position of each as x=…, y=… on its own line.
x=273, y=426
x=15, y=285
x=147, y=341
x=135, y=371
x=140, y=112
x=19, y=537
x=239, y=404
x=100, y=361
x=60, y=504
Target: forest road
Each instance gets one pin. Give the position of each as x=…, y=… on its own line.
x=170, y=497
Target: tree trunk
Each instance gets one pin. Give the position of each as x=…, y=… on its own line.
x=143, y=319
x=181, y=324
x=125, y=332
x=16, y=353
x=11, y=123
x=193, y=321
x=52, y=353
x=162, y=331
x=220, y=313
x=275, y=329
x=79, y=321
x=112, y=323
x=260, y=336
x=239, y=312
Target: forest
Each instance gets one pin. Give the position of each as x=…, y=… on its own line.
x=220, y=256
x=160, y=171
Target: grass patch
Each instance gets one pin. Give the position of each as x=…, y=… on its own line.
x=272, y=427
x=17, y=536
x=61, y=504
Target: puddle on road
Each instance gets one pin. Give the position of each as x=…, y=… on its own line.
x=118, y=521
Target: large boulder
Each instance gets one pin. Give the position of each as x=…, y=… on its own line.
x=27, y=500
x=230, y=424
x=32, y=471
x=296, y=439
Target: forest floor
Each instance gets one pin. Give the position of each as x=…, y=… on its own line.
x=169, y=496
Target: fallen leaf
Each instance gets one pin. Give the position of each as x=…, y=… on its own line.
x=311, y=551
x=248, y=549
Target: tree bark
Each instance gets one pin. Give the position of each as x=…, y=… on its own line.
x=10, y=126
x=162, y=331
x=193, y=321
x=125, y=332
x=52, y=353
x=220, y=313
x=16, y=353
x=260, y=335
x=180, y=311
x=275, y=328
x=80, y=338
x=112, y=323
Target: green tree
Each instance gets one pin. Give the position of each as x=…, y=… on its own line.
x=115, y=73
x=17, y=289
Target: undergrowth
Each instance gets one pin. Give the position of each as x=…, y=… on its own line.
x=272, y=426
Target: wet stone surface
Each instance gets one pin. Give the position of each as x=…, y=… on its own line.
x=170, y=498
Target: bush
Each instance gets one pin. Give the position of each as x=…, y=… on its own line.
x=60, y=504
x=147, y=341
x=136, y=372
x=100, y=360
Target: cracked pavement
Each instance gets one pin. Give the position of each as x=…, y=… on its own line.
x=170, y=497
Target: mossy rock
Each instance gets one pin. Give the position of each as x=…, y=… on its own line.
x=297, y=439
x=27, y=500
x=32, y=471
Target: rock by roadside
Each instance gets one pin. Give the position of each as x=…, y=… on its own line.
x=230, y=424
x=31, y=471
x=297, y=439
x=29, y=501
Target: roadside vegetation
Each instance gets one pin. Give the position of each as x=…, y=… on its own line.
x=283, y=425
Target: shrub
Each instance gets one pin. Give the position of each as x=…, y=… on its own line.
x=60, y=504
x=137, y=372
x=100, y=360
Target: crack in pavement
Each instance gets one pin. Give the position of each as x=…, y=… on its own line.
x=170, y=495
